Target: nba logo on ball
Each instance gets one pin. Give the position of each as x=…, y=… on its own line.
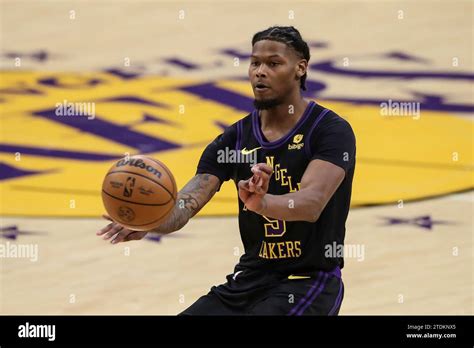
x=139, y=192
x=128, y=189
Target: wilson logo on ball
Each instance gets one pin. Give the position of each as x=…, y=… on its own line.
x=139, y=164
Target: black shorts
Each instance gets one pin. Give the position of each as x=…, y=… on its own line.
x=253, y=293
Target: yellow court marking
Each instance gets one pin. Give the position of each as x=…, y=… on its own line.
x=398, y=158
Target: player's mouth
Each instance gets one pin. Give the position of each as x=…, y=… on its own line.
x=260, y=87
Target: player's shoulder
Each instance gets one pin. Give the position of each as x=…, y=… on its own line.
x=247, y=119
x=326, y=120
x=231, y=133
x=235, y=127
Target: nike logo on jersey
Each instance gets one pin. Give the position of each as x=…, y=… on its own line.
x=236, y=274
x=292, y=277
x=247, y=152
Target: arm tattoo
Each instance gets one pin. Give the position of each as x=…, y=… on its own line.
x=188, y=201
x=192, y=197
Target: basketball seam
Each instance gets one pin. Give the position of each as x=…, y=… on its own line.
x=175, y=189
x=123, y=200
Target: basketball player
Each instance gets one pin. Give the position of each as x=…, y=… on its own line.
x=293, y=203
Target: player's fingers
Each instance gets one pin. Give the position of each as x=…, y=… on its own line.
x=244, y=185
x=243, y=190
x=260, y=186
x=260, y=174
x=264, y=172
x=113, y=231
x=261, y=180
x=265, y=168
x=265, y=183
x=121, y=236
x=252, y=184
x=256, y=178
x=105, y=229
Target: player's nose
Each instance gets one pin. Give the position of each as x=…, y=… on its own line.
x=260, y=72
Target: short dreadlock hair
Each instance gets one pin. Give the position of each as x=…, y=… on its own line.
x=291, y=37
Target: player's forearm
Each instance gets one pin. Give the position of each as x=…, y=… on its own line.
x=304, y=205
x=192, y=197
x=177, y=219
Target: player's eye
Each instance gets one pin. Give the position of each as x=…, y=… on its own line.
x=254, y=63
x=273, y=64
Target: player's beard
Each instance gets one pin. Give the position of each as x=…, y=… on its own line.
x=265, y=104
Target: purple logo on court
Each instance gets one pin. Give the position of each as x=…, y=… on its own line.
x=424, y=221
x=12, y=232
x=154, y=237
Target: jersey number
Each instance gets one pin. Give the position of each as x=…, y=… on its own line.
x=274, y=228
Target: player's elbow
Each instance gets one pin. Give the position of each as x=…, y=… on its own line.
x=313, y=209
x=313, y=216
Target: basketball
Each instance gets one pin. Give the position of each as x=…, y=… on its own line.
x=139, y=192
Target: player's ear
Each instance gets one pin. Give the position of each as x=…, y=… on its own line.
x=301, y=67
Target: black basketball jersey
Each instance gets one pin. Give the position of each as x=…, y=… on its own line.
x=289, y=247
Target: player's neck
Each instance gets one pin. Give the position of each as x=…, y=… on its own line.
x=283, y=117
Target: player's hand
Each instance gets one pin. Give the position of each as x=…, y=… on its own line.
x=252, y=191
x=118, y=233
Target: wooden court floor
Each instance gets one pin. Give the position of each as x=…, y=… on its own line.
x=398, y=269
